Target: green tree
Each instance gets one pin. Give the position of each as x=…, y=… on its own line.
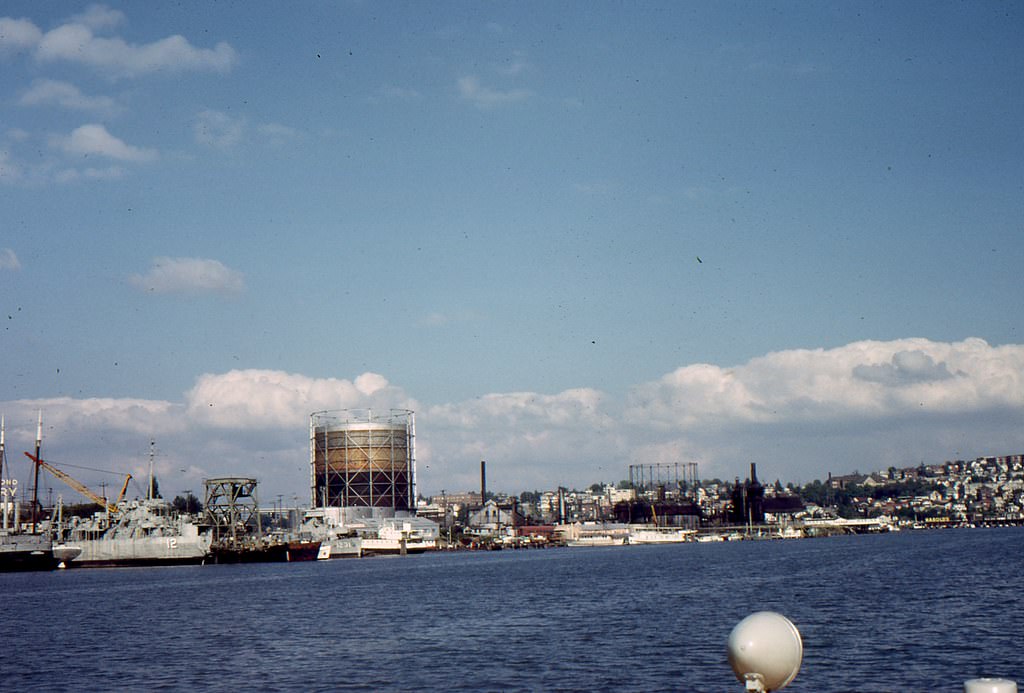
x=187, y=503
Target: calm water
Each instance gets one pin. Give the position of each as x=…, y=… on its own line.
x=914, y=611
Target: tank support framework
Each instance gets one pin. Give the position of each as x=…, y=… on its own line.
x=359, y=458
x=232, y=508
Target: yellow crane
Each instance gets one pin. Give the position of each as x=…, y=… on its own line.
x=82, y=488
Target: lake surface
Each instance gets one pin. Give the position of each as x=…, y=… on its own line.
x=910, y=611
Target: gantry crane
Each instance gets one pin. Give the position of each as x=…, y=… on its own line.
x=112, y=508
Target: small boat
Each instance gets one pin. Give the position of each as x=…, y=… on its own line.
x=597, y=540
x=660, y=535
x=390, y=538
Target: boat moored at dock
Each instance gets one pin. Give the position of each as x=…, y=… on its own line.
x=22, y=551
x=660, y=535
x=144, y=532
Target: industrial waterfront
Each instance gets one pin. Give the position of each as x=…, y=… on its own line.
x=885, y=612
x=364, y=501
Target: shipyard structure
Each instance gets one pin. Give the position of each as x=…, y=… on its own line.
x=362, y=471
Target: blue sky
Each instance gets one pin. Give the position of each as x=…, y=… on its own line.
x=571, y=236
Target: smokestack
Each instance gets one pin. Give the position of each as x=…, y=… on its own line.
x=483, y=482
x=753, y=472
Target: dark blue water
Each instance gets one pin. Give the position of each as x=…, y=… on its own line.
x=914, y=611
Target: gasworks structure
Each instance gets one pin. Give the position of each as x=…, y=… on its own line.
x=362, y=458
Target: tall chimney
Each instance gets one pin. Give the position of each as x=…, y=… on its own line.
x=483, y=482
x=753, y=472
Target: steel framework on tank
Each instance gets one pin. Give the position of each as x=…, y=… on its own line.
x=231, y=507
x=363, y=458
x=647, y=477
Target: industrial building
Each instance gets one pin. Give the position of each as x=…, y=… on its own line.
x=362, y=470
x=362, y=458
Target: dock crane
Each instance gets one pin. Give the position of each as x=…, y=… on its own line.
x=112, y=508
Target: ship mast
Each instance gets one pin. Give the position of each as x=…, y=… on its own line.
x=152, y=446
x=35, y=483
x=3, y=449
x=3, y=479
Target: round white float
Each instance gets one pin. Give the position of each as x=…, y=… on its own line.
x=990, y=686
x=768, y=645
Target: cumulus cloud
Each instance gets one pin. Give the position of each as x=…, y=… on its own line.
x=823, y=385
x=852, y=406
x=18, y=34
x=799, y=414
x=94, y=139
x=74, y=416
x=247, y=399
x=8, y=260
x=189, y=275
x=482, y=96
x=76, y=41
x=99, y=17
x=116, y=57
x=52, y=92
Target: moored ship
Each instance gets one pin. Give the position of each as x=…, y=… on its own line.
x=21, y=551
x=267, y=549
x=144, y=532
x=400, y=536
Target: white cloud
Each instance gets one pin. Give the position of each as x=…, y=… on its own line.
x=99, y=17
x=123, y=415
x=94, y=139
x=217, y=129
x=863, y=405
x=487, y=97
x=8, y=260
x=799, y=414
x=17, y=34
x=261, y=399
x=44, y=92
x=862, y=380
x=75, y=41
x=116, y=57
x=189, y=275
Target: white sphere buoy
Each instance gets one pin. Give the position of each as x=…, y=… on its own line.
x=990, y=686
x=766, y=646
